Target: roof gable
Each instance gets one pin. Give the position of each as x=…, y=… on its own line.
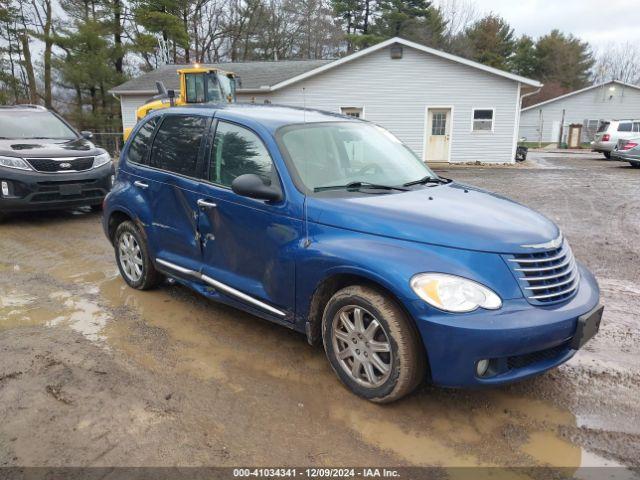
x=582, y=90
x=417, y=46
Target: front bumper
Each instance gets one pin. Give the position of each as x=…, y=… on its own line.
x=522, y=340
x=29, y=191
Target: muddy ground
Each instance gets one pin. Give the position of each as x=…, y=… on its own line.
x=93, y=373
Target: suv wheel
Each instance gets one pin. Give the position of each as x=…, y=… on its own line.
x=371, y=344
x=607, y=155
x=132, y=257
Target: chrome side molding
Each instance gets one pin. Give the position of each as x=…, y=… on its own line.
x=222, y=287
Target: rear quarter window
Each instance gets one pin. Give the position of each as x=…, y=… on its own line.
x=177, y=144
x=141, y=143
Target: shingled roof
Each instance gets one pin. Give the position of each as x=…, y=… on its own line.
x=253, y=75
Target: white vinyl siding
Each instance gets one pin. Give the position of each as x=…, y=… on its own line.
x=129, y=104
x=396, y=93
x=600, y=103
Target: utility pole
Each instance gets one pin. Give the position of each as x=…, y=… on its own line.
x=561, y=126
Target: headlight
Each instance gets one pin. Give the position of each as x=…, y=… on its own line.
x=101, y=160
x=14, y=162
x=454, y=294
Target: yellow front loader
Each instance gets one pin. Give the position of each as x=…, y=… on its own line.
x=197, y=85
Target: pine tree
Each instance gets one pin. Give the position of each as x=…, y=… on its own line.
x=490, y=41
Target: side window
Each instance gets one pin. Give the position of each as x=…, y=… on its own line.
x=141, y=143
x=624, y=127
x=482, y=120
x=177, y=143
x=636, y=126
x=237, y=151
x=356, y=112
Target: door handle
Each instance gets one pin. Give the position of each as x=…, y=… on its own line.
x=140, y=184
x=202, y=203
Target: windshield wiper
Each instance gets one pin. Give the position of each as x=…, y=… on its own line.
x=358, y=185
x=428, y=179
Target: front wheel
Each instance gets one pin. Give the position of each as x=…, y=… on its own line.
x=372, y=345
x=633, y=164
x=132, y=256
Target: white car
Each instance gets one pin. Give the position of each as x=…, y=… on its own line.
x=609, y=132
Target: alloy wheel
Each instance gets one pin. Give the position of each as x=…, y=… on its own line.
x=130, y=257
x=362, y=346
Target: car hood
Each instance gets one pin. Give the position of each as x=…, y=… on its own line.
x=30, y=148
x=451, y=215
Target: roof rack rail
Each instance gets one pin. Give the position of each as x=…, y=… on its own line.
x=24, y=105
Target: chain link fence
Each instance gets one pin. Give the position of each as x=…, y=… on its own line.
x=112, y=142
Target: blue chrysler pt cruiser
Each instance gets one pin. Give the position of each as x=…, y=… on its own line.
x=331, y=226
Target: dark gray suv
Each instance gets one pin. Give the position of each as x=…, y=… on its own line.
x=46, y=164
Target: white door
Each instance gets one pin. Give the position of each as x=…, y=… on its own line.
x=438, y=134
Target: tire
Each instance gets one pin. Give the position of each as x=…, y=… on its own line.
x=131, y=250
x=406, y=360
x=633, y=164
x=607, y=155
x=96, y=208
x=3, y=216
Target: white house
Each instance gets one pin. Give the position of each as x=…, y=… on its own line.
x=606, y=101
x=446, y=108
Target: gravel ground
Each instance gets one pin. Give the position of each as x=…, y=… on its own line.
x=93, y=373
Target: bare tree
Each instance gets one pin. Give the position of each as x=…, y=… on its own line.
x=617, y=62
x=459, y=14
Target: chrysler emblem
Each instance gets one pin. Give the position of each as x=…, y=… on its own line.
x=65, y=165
x=555, y=243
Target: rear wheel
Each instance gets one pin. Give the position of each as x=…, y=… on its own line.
x=132, y=256
x=96, y=208
x=633, y=164
x=607, y=155
x=372, y=345
x=2, y=216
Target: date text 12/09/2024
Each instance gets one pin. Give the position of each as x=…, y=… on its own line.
x=316, y=473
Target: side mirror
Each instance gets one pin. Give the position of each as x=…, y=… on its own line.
x=251, y=185
x=86, y=134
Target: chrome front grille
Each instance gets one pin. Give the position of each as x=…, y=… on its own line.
x=545, y=277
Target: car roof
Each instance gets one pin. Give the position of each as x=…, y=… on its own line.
x=270, y=116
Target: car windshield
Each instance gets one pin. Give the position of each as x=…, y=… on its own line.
x=343, y=153
x=20, y=124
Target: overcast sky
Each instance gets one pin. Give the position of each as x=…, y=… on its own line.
x=599, y=22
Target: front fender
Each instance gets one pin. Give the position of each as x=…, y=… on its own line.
x=391, y=263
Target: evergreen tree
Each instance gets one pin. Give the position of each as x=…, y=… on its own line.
x=524, y=60
x=490, y=41
x=563, y=59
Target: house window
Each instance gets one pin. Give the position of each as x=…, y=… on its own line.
x=482, y=120
x=439, y=123
x=356, y=112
